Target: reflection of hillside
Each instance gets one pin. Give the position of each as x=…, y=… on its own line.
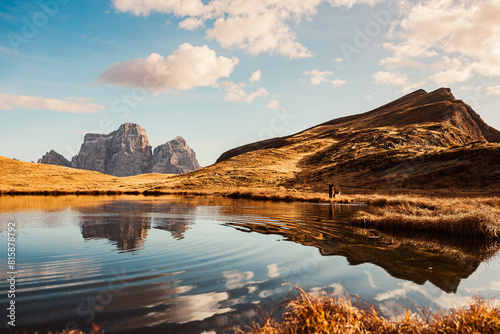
x=442, y=262
x=418, y=258
x=51, y=203
x=126, y=224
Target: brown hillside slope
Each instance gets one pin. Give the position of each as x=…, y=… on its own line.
x=422, y=140
x=415, y=108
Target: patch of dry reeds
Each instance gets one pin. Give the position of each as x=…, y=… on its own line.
x=465, y=217
x=340, y=314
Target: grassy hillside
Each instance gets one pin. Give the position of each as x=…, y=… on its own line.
x=25, y=177
x=422, y=143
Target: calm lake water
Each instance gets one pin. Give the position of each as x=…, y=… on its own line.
x=193, y=265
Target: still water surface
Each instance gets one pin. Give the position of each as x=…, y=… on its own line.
x=193, y=265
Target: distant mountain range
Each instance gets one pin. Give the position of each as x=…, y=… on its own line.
x=422, y=141
x=126, y=152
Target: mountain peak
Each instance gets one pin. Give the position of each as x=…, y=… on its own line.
x=438, y=111
x=413, y=108
x=179, y=139
x=54, y=158
x=174, y=157
x=130, y=126
x=126, y=152
x=419, y=108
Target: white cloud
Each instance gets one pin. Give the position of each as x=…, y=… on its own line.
x=236, y=93
x=451, y=41
x=273, y=270
x=275, y=105
x=262, y=30
x=494, y=90
x=191, y=23
x=176, y=7
x=319, y=77
x=489, y=90
x=261, y=26
x=396, y=79
x=72, y=105
x=390, y=78
x=236, y=279
x=255, y=76
x=338, y=60
x=452, y=75
x=441, y=299
x=186, y=68
x=350, y=3
x=469, y=87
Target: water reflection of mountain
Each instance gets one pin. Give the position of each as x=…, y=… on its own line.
x=176, y=226
x=127, y=233
x=418, y=258
x=126, y=224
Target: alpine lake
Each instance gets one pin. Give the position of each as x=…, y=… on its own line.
x=137, y=264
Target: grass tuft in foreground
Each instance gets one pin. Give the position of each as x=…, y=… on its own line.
x=338, y=314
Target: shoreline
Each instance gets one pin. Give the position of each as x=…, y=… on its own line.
x=284, y=194
x=473, y=216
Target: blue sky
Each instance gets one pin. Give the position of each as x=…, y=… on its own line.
x=222, y=73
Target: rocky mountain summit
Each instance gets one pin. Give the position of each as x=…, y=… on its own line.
x=174, y=157
x=54, y=158
x=127, y=152
x=123, y=152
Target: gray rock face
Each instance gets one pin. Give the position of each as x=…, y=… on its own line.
x=124, y=152
x=93, y=153
x=129, y=151
x=54, y=158
x=174, y=157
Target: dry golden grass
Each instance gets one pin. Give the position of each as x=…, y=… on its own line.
x=339, y=314
x=20, y=177
x=463, y=217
